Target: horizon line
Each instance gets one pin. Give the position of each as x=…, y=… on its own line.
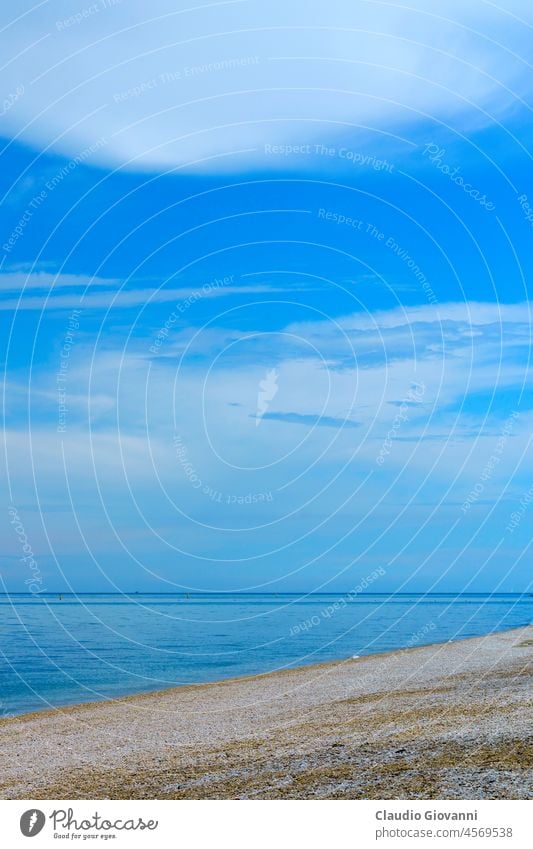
x=274, y=593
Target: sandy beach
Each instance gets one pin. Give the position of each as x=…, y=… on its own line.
x=444, y=721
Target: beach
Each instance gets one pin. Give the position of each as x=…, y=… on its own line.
x=445, y=721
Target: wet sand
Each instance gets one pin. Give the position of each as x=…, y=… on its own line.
x=444, y=721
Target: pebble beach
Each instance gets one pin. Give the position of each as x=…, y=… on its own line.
x=445, y=721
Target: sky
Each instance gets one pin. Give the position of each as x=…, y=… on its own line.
x=264, y=274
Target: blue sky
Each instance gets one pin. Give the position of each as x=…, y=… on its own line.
x=265, y=279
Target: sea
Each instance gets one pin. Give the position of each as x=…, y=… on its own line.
x=65, y=649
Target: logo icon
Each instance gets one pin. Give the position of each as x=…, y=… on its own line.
x=32, y=822
x=268, y=389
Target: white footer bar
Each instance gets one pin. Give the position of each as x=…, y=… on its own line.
x=267, y=824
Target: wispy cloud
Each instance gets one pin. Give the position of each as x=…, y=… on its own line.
x=329, y=387
x=122, y=298
x=19, y=281
x=163, y=91
x=313, y=420
x=466, y=314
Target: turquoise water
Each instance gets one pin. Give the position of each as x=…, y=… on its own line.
x=90, y=647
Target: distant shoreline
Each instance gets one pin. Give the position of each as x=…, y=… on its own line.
x=236, y=678
x=448, y=720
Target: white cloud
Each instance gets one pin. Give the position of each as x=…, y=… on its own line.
x=18, y=281
x=167, y=84
x=120, y=298
x=124, y=411
x=471, y=313
x=334, y=372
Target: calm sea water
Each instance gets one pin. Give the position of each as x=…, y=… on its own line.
x=88, y=647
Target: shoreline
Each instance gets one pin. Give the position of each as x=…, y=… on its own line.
x=446, y=720
x=71, y=706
